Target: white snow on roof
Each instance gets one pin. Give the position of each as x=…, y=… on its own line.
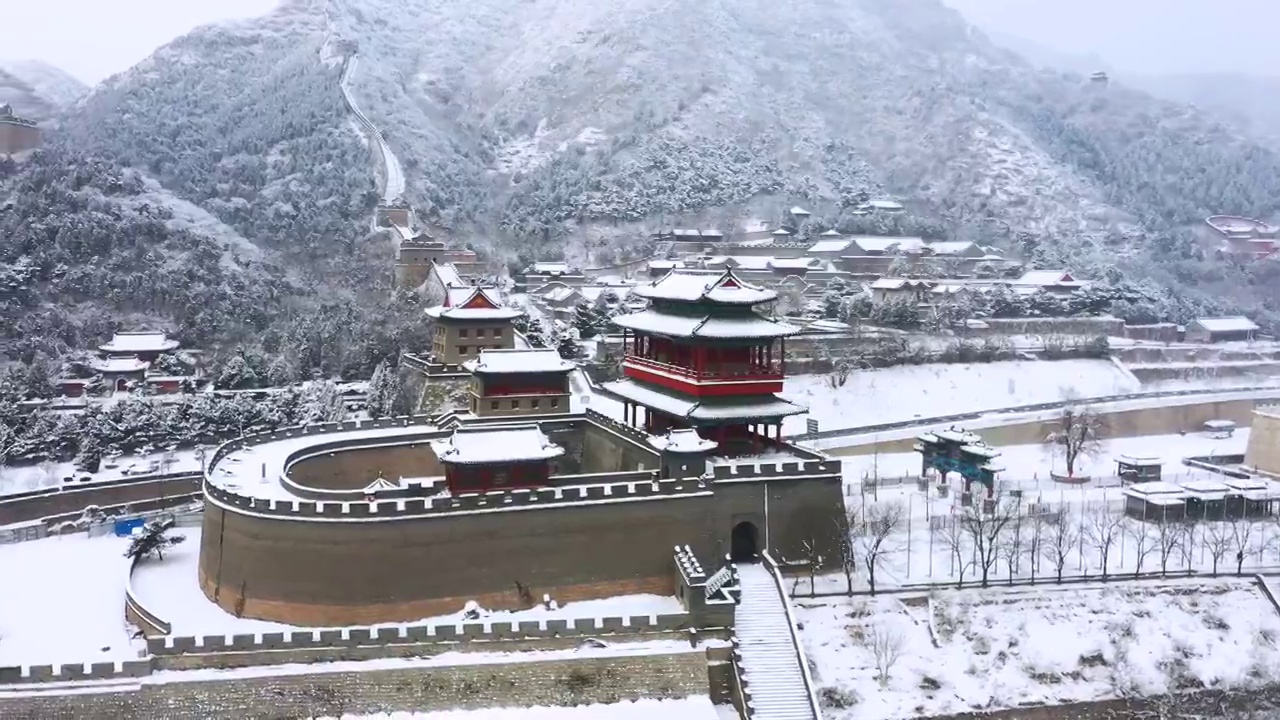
x=1227, y=324
x=710, y=409
x=1047, y=277
x=797, y=210
x=897, y=283
x=796, y=263
x=554, y=268
x=518, y=361
x=454, y=312
x=875, y=243
x=830, y=246
x=119, y=365
x=682, y=441
x=886, y=205
x=134, y=342
x=781, y=232
x=693, y=286
x=561, y=294
x=830, y=233
x=492, y=445
x=1135, y=460
x=672, y=325
x=950, y=247
x=456, y=295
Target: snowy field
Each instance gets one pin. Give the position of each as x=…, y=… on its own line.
x=1028, y=466
x=45, y=475
x=64, y=601
x=907, y=392
x=693, y=708
x=978, y=650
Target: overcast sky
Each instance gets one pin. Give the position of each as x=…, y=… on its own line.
x=93, y=39
x=1144, y=36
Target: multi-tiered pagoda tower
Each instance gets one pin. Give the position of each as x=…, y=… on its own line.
x=702, y=357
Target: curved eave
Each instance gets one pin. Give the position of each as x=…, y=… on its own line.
x=465, y=314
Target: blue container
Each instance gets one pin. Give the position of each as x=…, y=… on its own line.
x=125, y=528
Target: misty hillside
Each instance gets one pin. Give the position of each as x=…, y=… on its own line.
x=37, y=90
x=523, y=123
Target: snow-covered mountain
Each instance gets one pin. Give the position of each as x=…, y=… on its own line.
x=37, y=90
x=526, y=122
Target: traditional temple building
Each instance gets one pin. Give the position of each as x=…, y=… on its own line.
x=470, y=320
x=519, y=382
x=480, y=459
x=701, y=357
x=143, y=345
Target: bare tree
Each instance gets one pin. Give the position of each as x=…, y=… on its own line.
x=1035, y=543
x=1078, y=433
x=886, y=644
x=1011, y=547
x=987, y=531
x=1171, y=539
x=1103, y=530
x=1242, y=534
x=845, y=528
x=1143, y=542
x=1060, y=537
x=1219, y=540
x=877, y=536
x=814, y=560
x=954, y=537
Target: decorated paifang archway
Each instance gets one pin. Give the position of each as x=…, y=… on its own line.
x=744, y=543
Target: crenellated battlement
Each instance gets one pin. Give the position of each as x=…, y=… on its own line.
x=226, y=651
x=471, y=502
x=745, y=470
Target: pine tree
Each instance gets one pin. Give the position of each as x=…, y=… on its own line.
x=89, y=459
x=569, y=348
x=153, y=538
x=384, y=387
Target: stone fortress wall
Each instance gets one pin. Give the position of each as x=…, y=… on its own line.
x=599, y=535
x=1263, y=453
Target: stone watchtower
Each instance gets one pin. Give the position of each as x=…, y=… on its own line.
x=469, y=320
x=414, y=259
x=17, y=134
x=519, y=382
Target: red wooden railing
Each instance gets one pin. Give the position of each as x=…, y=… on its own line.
x=751, y=372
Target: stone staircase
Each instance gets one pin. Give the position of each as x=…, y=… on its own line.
x=770, y=664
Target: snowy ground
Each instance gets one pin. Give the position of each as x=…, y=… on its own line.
x=169, y=589
x=255, y=470
x=693, y=708
x=1028, y=466
x=906, y=392
x=973, y=650
x=921, y=550
x=64, y=601
x=34, y=477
